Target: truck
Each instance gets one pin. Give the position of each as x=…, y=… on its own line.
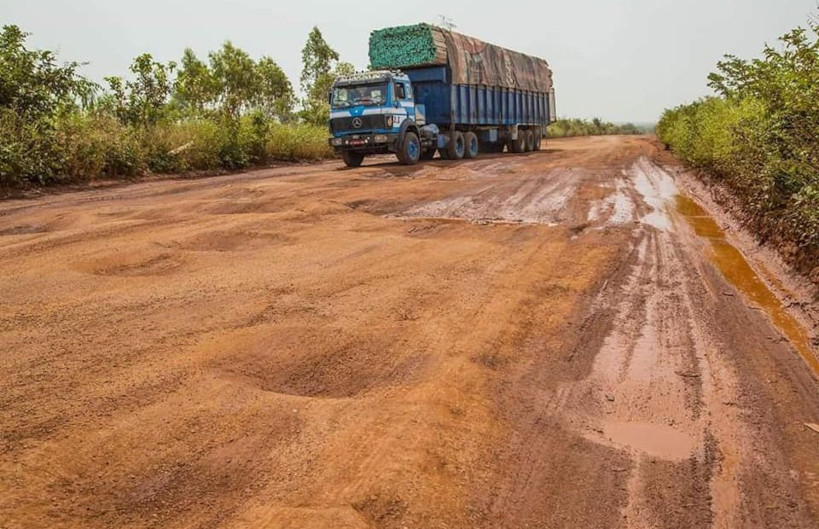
x=431, y=90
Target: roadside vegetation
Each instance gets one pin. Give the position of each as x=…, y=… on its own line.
x=760, y=137
x=224, y=112
x=565, y=128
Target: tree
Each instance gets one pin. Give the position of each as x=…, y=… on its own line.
x=143, y=101
x=34, y=91
x=317, y=59
x=32, y=84
x=275, y=95
x=195, y=88
x=320, y=66
x=236, y=79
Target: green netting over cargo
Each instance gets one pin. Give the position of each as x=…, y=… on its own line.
x=471, y=61
x=406, y=46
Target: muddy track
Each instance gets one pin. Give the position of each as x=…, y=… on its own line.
x=561, y=339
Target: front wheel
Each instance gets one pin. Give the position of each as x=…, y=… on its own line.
x=352, y=159
x=410, y=151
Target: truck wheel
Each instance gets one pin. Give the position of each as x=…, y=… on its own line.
x=519, y=145
x=352, y=159
x=530, y=141
x=455, y=147
x=410, y=151
x=538, y=138
x=428, y=154
x=471, y=144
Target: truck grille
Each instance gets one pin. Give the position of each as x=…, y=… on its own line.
x=374, y=121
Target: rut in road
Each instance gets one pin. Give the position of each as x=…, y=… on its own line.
x=517, y=341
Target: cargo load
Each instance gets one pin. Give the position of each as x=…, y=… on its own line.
x=470, y=61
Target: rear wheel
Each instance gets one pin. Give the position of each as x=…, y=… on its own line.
x=352, y=159
x=455, y=147
x=538, y=138
x=530, y=141
x=410, y=151
x=471, y=144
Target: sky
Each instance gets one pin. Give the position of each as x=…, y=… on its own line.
x=620, y=60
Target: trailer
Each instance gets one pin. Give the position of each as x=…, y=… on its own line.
x=436, y=91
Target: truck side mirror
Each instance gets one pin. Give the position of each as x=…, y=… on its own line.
x=330, y=98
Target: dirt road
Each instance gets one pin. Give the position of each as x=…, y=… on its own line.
x=557, y=339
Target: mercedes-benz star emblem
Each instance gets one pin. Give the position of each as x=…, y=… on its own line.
x=357, y=123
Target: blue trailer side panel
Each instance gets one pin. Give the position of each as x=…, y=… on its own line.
x=447, y=104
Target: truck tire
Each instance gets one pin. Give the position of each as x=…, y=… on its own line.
x=352, y=159
x=538, y=138
x=471, y=145
x=519, y=145
x=455, y=147
x=410, y=151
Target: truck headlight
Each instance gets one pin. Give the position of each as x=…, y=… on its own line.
x=336, y=142
x=380, y=138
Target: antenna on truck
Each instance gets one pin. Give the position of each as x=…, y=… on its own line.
x=444, y=22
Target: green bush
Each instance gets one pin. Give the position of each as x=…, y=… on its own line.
x=28, y=150
x=566, y=128
x=96, y=145
x=759, y=138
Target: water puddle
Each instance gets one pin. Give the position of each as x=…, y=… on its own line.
x=736, y=269
x=653, y=439
x=656, y=188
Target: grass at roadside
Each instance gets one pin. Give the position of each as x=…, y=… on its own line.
x=88, y=147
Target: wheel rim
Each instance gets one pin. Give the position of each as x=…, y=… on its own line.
x=473, y=146
x=413, y=150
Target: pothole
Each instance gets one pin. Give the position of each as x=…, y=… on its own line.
x=654, y=440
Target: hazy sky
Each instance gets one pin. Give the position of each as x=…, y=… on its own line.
x=622, y=60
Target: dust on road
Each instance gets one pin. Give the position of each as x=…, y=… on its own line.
x=542, y=340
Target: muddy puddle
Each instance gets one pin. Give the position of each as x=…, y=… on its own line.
x=656, y=440
x=736, y=269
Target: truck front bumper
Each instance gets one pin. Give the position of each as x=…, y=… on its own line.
x=366, y=143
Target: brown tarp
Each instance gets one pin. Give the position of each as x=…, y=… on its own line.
x=475, y=62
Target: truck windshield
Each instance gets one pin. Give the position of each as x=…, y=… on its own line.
x=367, y=95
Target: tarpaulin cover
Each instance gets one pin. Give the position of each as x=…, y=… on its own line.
x=471, y=61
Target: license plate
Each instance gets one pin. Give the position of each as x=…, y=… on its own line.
x=357, y=142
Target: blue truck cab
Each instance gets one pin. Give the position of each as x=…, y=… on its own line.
x=376, y=113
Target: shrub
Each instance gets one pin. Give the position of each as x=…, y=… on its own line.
x=564, y=128
x=758, y=136
x=95, y=146
x=298, y=142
